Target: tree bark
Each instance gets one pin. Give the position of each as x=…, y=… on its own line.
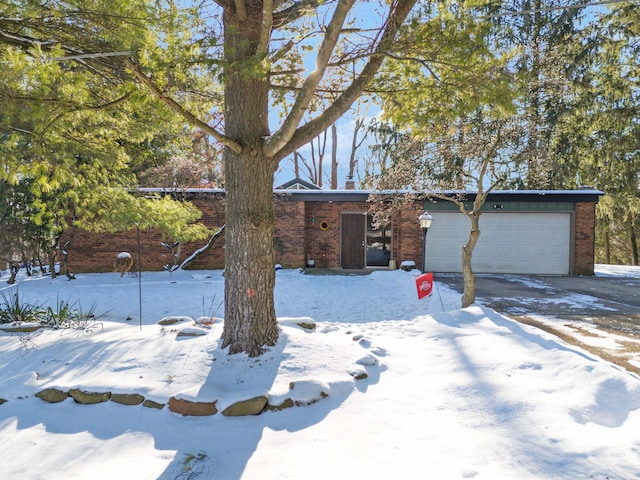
x=634, y=242
x=13, y=272
x=53, y=252
x=334, y=157
x=607, y=244
x=250, y=322
x=469, y=294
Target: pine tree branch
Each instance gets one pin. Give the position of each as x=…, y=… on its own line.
x=179, y=109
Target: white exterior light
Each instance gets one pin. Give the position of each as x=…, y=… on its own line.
x=425, y=220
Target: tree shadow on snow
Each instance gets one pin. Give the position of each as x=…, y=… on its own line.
x=484, y=398
x=204, y=447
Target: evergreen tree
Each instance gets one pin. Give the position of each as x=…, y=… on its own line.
x=249, y=56
x=73, y=126
x=600, y=138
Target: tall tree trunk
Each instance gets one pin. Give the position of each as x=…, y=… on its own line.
x=296, y=165
x=607, y=243
x=13, y=272
x=53, y=252
x=250, y=322
x=334, y=157
x=469, y=294
x=634, y=241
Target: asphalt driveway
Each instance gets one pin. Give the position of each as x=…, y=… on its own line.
x=612, y=303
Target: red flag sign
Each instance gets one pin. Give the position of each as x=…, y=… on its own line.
x=424, y=284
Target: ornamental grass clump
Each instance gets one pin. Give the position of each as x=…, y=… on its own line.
x=60, y=316
x=12, y=310
x=63, y=315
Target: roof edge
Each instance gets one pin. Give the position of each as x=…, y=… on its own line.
x=583, y=194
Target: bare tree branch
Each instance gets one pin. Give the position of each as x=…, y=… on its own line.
x=265, y=28
x=294, y=12
x=224, y=4
x=274, y=143
x=399, y=12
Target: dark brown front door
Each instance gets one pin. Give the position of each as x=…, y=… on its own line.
x=352, y=239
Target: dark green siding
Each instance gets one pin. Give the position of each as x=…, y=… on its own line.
x=494, y=206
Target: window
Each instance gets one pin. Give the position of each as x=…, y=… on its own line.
x=378, y=244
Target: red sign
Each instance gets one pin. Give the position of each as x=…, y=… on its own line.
x=424, y=284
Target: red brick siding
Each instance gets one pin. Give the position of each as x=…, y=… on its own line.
x=92, y=252
x=298, y=237
x=584, y=247
x=96, y=252
x=323, y=246
x=407, y=235
x=289, y=233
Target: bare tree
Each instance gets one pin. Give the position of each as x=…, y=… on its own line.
x=465, y=162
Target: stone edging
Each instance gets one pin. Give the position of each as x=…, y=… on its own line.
x=252, y=406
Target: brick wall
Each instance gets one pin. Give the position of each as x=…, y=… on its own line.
x=407, y=235
x=298, y=237
x=289, y=244
x=93, y=252
x=323, y=246
x=584, y=247
x=96, y=252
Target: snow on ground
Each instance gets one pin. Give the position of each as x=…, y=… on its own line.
x=617, y=271
x=451, y=393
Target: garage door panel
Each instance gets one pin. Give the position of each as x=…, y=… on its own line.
x=509, y=243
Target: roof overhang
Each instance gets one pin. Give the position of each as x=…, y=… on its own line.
x=578, y=195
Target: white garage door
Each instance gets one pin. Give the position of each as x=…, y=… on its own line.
x=535, y=243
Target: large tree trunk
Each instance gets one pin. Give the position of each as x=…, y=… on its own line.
x=250, y=322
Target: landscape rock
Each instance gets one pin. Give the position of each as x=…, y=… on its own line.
x=20, y=328
x=52, y=395
x=127, y=398
x=253, y=406
x=307, y=392
x=189, y=408
x=2, y=400
x=306, y=403
x=288, y=403
x=359, y=374
x=151, y=404
x=192, y=332
x=89, y=398
x=174, y=320
x=368, y=361
x=206, y=322
x=307, y=325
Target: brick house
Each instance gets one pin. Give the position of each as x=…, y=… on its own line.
x=534, y=232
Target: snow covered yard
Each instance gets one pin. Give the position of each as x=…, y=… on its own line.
x=449, y=393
